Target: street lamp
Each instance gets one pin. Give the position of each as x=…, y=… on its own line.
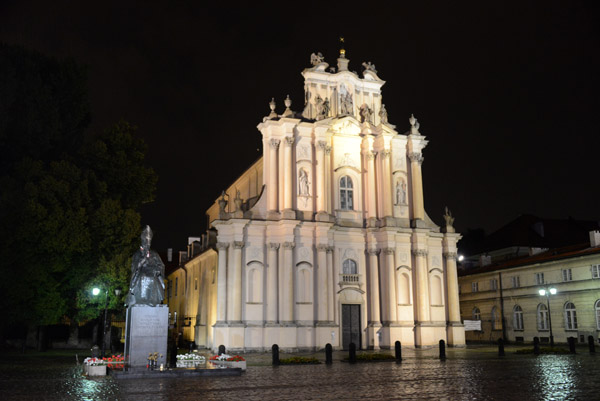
x=547, y=292
x=95, y=292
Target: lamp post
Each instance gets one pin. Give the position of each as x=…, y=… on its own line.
x=96, y=291
x=547, y=292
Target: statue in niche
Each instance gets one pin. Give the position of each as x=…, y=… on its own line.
x=369, y=67
x=400, y=192
x=326, y=108
x=303, y=186
x=365, y=113
x=346, y=104
x=383, y=114
x=319, y=107
x=147, y=287
x=449, y=220
x=316, y=59
x=306, y=111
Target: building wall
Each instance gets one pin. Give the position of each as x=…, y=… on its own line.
x=583, y=291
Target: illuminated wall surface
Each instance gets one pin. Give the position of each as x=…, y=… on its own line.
x=325, y=239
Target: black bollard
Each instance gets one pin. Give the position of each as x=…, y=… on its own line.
x=500, y=347
x=173, y=355
x=536, y=345
x=275, y=350
x=222, y=349
x=352, y=353
x=328, y=354
x=398, y=349
x=591, y=344
x=442, y=350
x=571, y=345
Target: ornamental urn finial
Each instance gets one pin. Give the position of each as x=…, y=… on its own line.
x=272, y=105
x=288, y=102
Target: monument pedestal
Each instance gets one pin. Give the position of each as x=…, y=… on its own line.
x=146, y=333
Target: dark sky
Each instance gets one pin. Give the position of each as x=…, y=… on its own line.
x=506, y=92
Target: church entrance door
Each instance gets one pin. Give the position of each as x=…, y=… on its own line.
x=350, y=325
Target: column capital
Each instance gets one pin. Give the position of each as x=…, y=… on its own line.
x=371, y=155
x=450, y=255
x=289, y=140
x=373, y=251
x=416, y=157
x=388, y=251
x=420, y=252
x=322, y=145
x=329, y=249
x=289, y=245
x=275, y=143
x=327, y=150
x=385, y=153
x=274, y=245
x=238, y=244
x=322, y=247
x=222, y=245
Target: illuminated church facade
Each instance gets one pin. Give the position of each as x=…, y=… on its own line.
x=325, y=239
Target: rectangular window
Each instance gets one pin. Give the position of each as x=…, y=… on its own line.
x=176, y=283
x=539, y=278
x=595, y=271
x=474, y=287
x=195, y=284
x=516, y=283
x=566, y=274
x=493, y=284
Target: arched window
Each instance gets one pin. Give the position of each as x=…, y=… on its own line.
x=542, y=317
x=570, y=316
x=403, y=289
x=346, y=193
x=349, y=267
x=597, y=308
x=517, y=318
x=476, y=313
x=496, y=324
x=436, y=290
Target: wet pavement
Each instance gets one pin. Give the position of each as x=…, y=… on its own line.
x=466, y=374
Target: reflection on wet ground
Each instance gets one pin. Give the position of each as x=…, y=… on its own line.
x=467, y=374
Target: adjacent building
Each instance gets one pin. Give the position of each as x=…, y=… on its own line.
x=325, y=238
x=501, y=287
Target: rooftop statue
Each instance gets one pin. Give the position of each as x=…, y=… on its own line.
x=449, y=220
x=147, y=271
x=369, y=67
x=316, y=59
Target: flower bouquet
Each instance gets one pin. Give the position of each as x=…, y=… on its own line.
x=189, y=360
x=226, y=361
x=94, y=366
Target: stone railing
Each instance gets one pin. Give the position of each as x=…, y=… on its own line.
x=350, y=279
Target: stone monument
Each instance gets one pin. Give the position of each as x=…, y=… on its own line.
x=147, y=318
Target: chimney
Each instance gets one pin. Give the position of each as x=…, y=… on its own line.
x=594, y=238
x=170, y=255
x=485, y=260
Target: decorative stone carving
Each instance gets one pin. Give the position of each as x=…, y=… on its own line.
x=274, y=245
x=371, y=155
x=288, y=112
x=328, y=150
x=385, y=153
x=365, y=113
x=420, y=252
x=330, y=249
x=289, y=245
x=222, y=203
x=238, y=244
x=400, y=192
x=221, y=246
x=416, y=157
x=303, y=183
x=349, y=254
x=414, y=125
x=383, y=114
x=275, y=143
x=307, y=95
x=322, y=248
x=373, y=251
x=449, y=221
x=304, y=254
x=322, y=145
x=369, y=67
x=254, y=253
x=237, y=201
x=450, y=255
x=316, y=59
x=403, y=257
x=347, y=160
x=303, y=152
x=289, y=140
x=435, y=261
x=388, y=251
x=272, y=105
x=346, y=103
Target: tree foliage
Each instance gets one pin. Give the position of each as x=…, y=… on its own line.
x=68, y=206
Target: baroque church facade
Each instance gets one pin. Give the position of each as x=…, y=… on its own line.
x=325, y=239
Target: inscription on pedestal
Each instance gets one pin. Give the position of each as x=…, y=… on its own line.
x=147, y=330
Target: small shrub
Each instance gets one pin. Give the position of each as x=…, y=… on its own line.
x=544, y=350
x=299, y=360
x=373, y=357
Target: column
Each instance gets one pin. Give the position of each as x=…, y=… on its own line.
x=374, y=281
x=272, y=184
x=371, y=185
x=287, y=169
x=230, y=288
x=288, y=282
x=222, y=282
x=330, y=286
x=392, y=304
x=416, y=159
x=272, y=285
x=422, y=280
x=452, y=279
x=386, y=183
x=237, y=282
x=321, y=145
x=328, y=179
x=322, y=283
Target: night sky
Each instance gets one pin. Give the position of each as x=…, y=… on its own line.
x=507, y=93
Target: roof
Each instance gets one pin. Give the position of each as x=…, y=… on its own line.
x=566, y=252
